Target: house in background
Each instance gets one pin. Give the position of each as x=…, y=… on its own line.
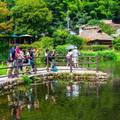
x=94, y=36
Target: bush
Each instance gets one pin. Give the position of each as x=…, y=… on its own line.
x=46, y=42
x=96, y=47
x=88, y=53
x=107, y=55
x=75, y=40
x=60, y=36
x=103, y=55
x=61, y=49
x=116, y=44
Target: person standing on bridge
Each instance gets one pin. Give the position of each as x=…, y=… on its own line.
x=75, y=55
x=68, y=57
x=10, y=61
x=32, y=60
x=48, y=59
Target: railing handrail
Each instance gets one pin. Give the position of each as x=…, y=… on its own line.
x=88, y=62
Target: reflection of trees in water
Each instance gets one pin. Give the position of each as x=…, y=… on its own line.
x=56, y=91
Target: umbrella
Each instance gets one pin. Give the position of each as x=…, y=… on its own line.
x=14, y=36
x=70, y=47
x=25, y=35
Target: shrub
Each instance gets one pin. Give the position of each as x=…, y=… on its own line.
x=26, y=80
x=96, y=47
x=46, y=42
x=88, y=53
x=116, y=44
x=61, y=49
x=107, y=55
x=60, y=36
x=103, y=55
x=75, y=40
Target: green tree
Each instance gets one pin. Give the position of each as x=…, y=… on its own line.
x=60, y=37
x=31, y=17
x=10, y=3
x=5, y=22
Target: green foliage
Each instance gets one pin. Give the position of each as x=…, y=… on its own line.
x=61, y=49
x=62, y=36
x=43, y=43
x=105, y=28
x=5, y=22
x=75, y=40
x=116, y=44
x=96, y=47
x=4, y=50
x=10, y=3
x=25, y=46
x=26, y=80
x=46, y=42
x=103, y=55
x=107, y=55
x=31, y=17
x=88, y=53
x=80, y=12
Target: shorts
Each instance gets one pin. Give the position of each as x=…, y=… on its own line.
x=75, y=60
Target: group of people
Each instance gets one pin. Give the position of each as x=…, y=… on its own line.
x=72, y=57
x=20, y=60
x=23, y=61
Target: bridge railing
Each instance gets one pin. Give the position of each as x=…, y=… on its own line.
x=86, y=62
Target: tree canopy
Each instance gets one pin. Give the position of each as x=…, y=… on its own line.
x=5, y=22
x=45, y=16
x=31, y=17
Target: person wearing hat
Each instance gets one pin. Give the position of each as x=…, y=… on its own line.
x=75, y=55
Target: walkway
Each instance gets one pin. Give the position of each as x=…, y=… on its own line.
x=61, y=69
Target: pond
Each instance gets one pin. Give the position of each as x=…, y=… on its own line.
x=60, y=100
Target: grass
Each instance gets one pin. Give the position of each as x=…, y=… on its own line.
x=3, y=71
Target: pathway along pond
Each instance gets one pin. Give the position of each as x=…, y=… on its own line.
x=66, y=101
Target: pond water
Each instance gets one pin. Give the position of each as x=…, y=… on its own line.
x=60, y=100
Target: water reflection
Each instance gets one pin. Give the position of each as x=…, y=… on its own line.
x=29, y=97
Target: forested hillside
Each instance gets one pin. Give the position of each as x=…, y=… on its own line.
x=44, y=16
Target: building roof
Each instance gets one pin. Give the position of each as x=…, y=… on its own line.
x=93, y=33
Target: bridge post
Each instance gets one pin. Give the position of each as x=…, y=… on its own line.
x=97, y=63
x=71, y=64
x=47, y=64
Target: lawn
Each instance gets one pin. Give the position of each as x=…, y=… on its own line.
x=3, y=71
